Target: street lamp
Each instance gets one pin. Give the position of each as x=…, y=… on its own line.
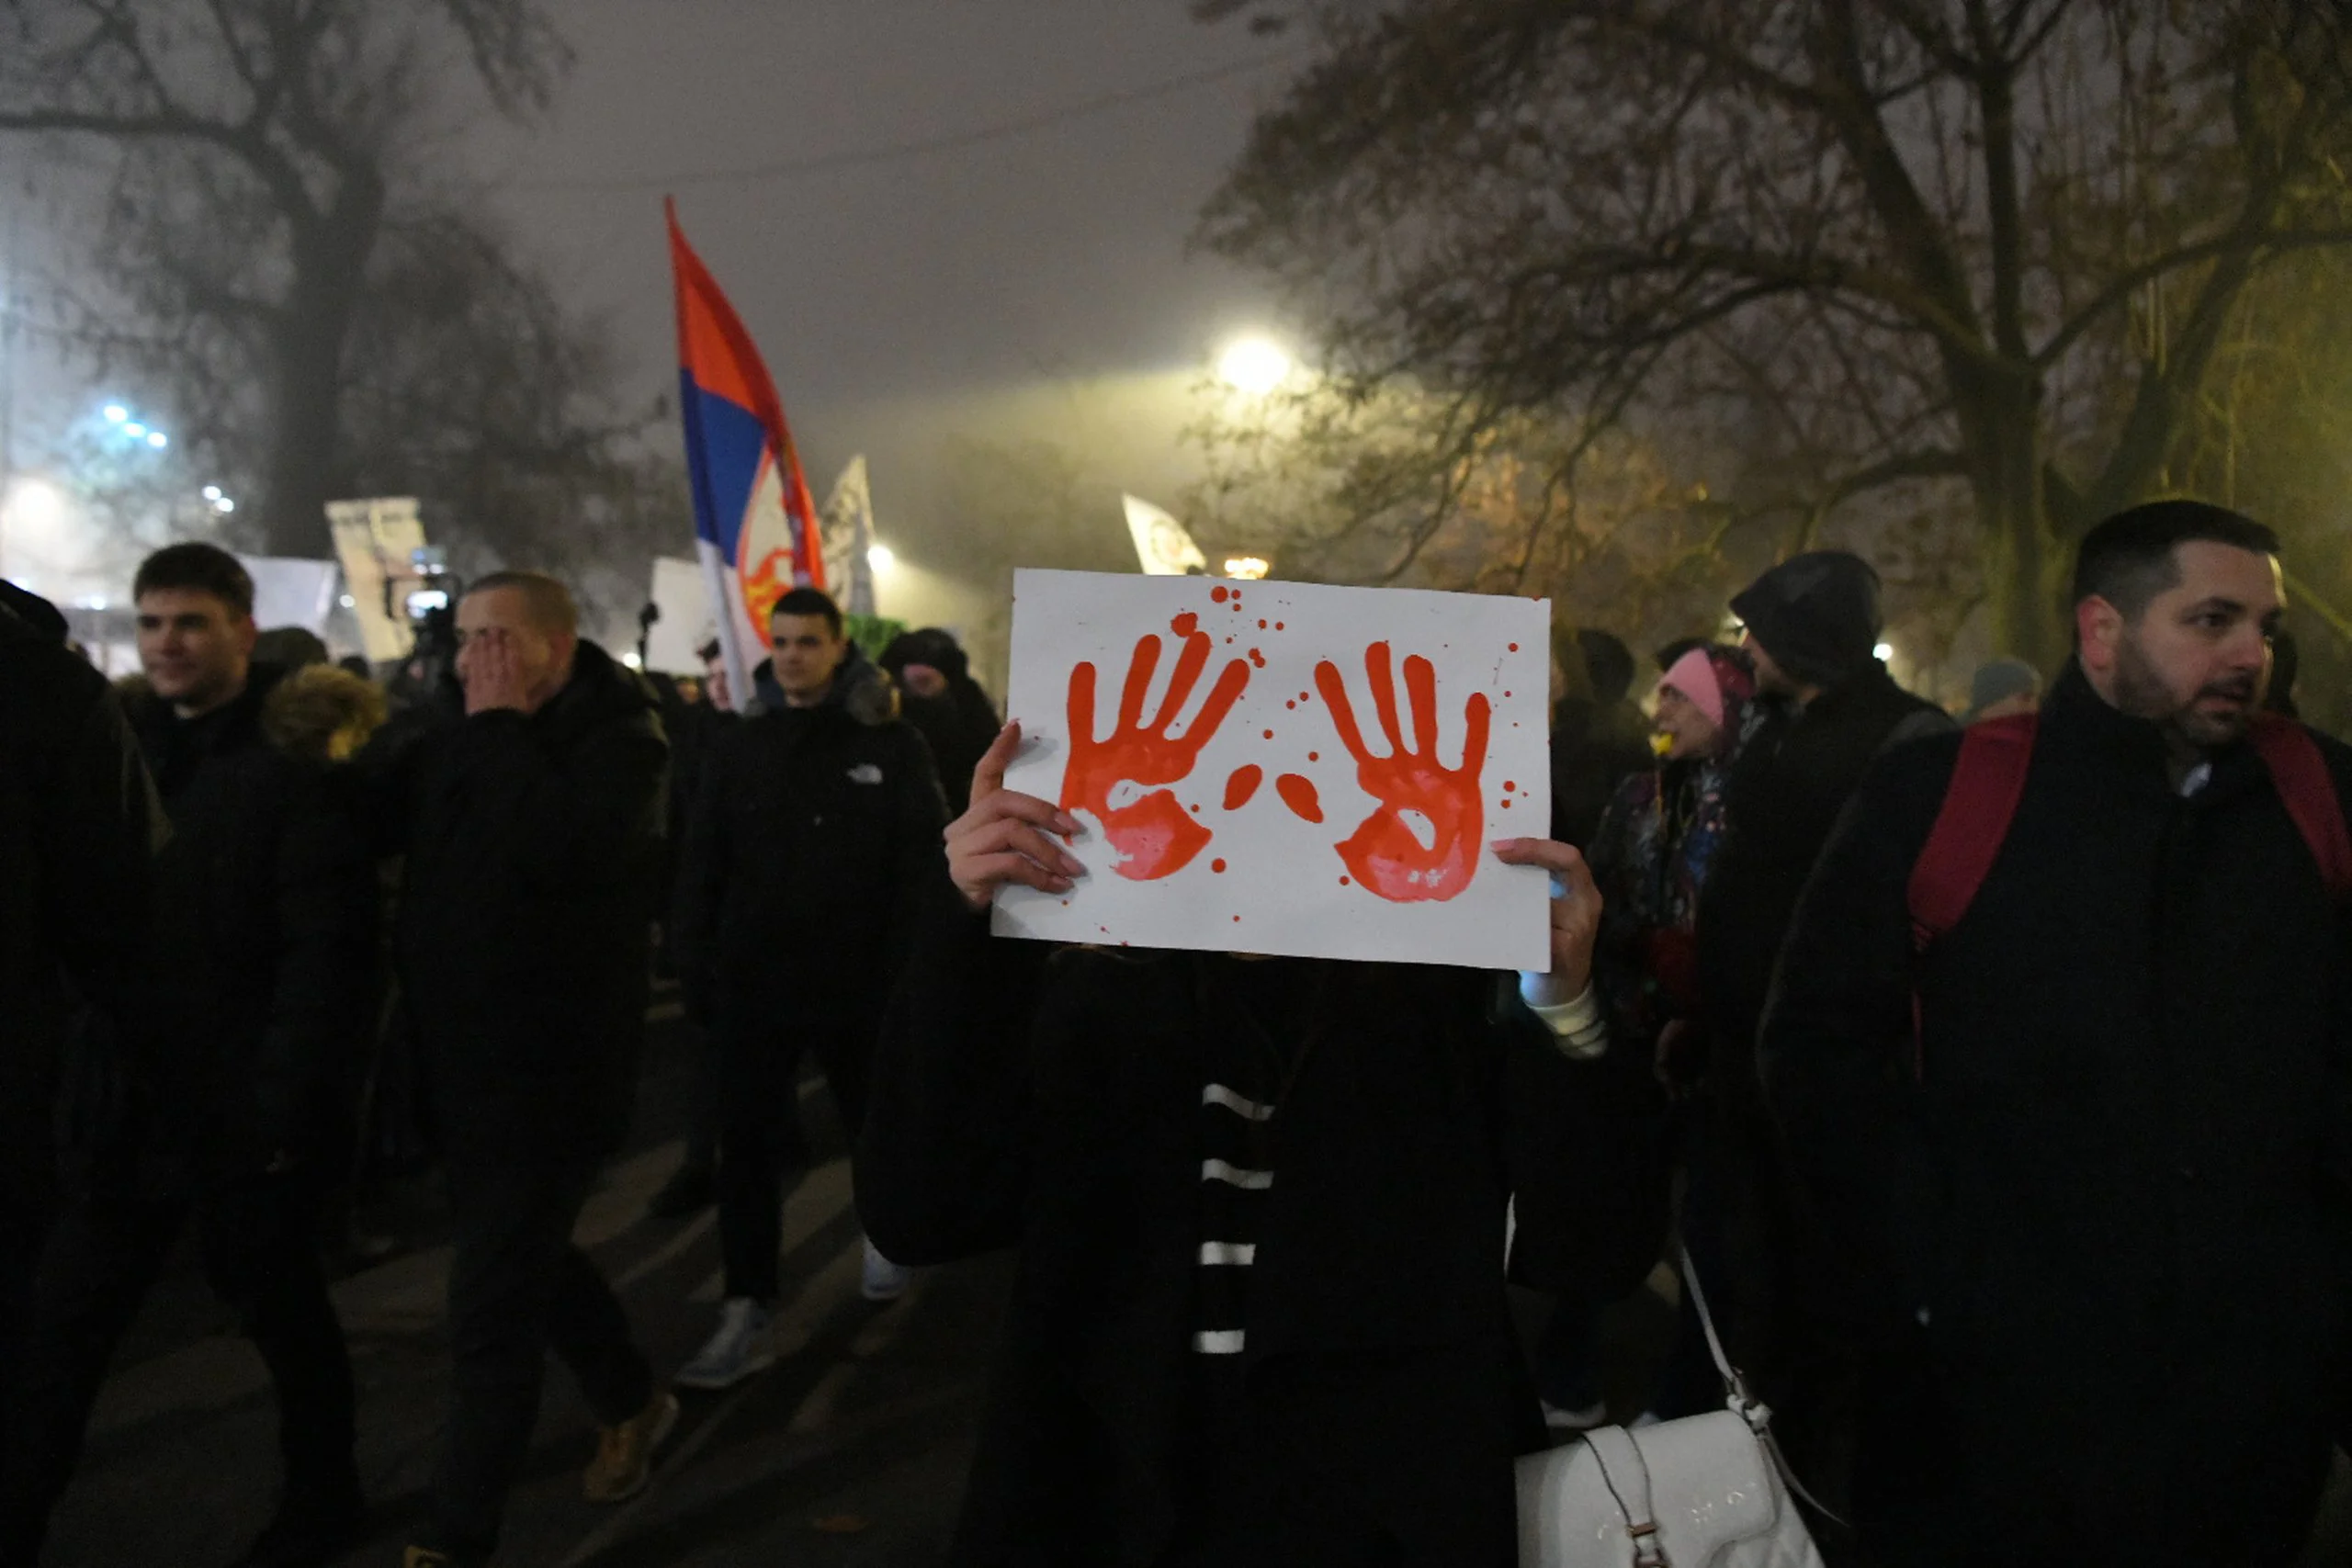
x=1883, y=651
x=1254, y=366
x=880, y=557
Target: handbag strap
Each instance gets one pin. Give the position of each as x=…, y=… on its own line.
x=1749, y=1408
x=1627, y=1476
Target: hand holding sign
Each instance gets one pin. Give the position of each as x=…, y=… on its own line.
x=1154, y=835
x=1386, y=854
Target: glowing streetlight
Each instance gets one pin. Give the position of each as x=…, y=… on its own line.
x=115, y=413
x=211, y=493
x=1254, y=366
x=224, y=507
x=1883, y=650
x=135, y=430
x=158, y=440
x=880, y=557
x=1249, y=569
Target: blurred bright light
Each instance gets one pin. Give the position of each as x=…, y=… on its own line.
x=348, y=603
x=1254, y=365
x=158, y=440
x=36, y=504
x=92, y=601
x=211, y=493
x=115, y=413
x=632, y=660
x=224, y=507
x=134, y=429
x=1883, y=650
x=879, y=558
x=1249, y=568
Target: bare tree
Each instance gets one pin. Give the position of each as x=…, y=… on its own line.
x=1990, y=244
x=260, y=150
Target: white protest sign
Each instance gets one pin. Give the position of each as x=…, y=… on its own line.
x=1285, y=768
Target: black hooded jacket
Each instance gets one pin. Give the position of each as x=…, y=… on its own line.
x=533, y=849
x=2105, y=1192
x=805, y=853
x=79, y=827
x=267, y=929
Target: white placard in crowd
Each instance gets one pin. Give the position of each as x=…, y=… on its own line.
x=1285, y=768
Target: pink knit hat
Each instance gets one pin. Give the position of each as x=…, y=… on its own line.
x=1693, y=675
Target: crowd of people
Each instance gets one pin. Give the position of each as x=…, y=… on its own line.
x=1993, y=1071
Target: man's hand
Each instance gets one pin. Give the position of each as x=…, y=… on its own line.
x=1575, y=908
x=1004, y=837
x=491, y=666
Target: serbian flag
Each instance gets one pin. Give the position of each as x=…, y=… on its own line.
x=756, y=525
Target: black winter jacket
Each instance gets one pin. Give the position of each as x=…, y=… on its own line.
x=533, y=851
x=1779, y=807
x=79, y=827
x=1050, y=1102
x=268, y=914
x=805, y=853
x=2118, y=1192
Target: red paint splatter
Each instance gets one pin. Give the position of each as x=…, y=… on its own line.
x=1152, y=837
x=1262, y=625
x=1257, y=658
x=1290, y=705
x=1347, y=881
x=1508, y=784
x=1270, y=735
x=1299, y=793
x=1240, y=787
x=1278, y=625
x=1506, y=805
x=1236, y=920
x=1514, y=647
x=1384, y=852
x=1218, y=594
x=1315, y=756
x=1217, y=866
x=1185, y=625
x=1506, y=693
x=1304, y=698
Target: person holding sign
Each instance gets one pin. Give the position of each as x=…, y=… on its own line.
x=1261, y=1211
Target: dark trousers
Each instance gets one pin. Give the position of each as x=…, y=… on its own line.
x=519, y=1288
x=761, y=1139
x=256, y=1235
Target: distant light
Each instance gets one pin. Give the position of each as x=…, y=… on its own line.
x=224, y=505
x=880, y=557
x=1249, y=568
x=134, y=430
x=95, y=601
x=158, y=440
x=211, y=493
x=36, y=504
x=1883, y=650
x=115, y=413
x=1255, y=366
x=632, y=660
x=429, y=599
x=348, y=603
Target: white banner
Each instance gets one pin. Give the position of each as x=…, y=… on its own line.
x=1285, y=768
x=1162, y=544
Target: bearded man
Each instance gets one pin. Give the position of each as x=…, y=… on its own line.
x=2093, y=1136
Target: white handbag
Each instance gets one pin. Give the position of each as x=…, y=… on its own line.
x=1707, y=1492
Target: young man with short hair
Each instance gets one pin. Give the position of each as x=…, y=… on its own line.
x=804, y=864
x=532, y=830
x=264, y=957
x=2063, y=1041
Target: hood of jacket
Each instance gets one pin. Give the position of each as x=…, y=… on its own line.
x=1816, y=614
x=860, y=689
x=37, y=615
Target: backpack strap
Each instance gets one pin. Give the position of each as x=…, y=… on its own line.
x=2307, y=789
x=1986, y=785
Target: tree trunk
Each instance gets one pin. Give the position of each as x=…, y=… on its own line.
x=2000, y=417
x=304, y=468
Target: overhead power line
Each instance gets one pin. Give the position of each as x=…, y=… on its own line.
x=953, y=142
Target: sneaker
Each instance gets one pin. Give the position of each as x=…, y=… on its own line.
x=743, y=1346
x=691, y=1190
x=310, y=1534
x=624, y=1461
x=884, y=1281
x=1582, y=1418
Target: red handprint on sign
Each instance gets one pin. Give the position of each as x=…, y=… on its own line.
x=1384, y=853
x=1154, y=836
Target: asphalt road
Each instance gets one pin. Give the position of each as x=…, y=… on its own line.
x=850, y=1452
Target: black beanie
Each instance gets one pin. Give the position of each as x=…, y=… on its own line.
x=1815, y=614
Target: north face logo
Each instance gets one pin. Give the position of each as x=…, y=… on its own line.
x=865, y=774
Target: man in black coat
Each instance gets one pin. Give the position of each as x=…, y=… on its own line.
x=1812, y=631
x=79, y=829
x=804, y=864
x=264, y=953
x=946, y=706
x=532, y=830
x=2103, y=1188
x=1259, y=1204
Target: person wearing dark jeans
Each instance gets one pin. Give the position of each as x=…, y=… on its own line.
x=256, y=1239
x=518, y=1288
x=532, y=830
x=762, y=1141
